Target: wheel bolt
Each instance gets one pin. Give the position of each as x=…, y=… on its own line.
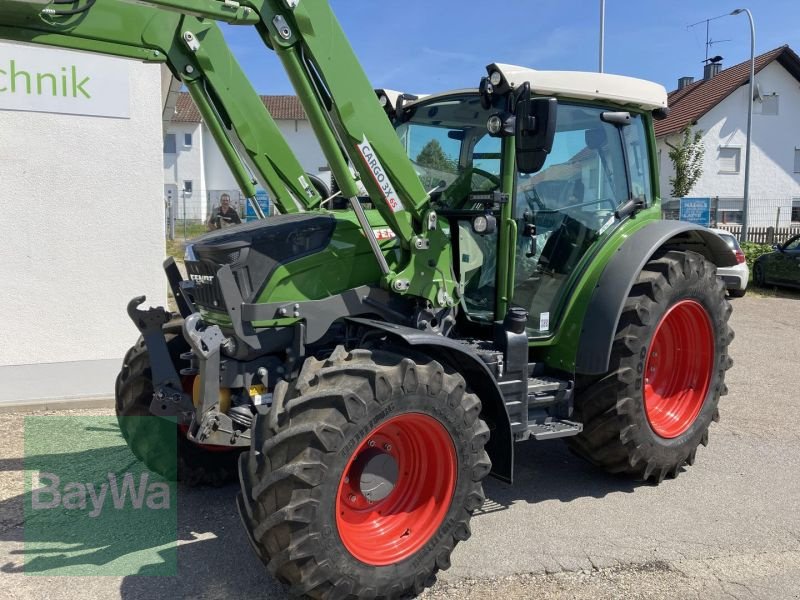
x=387, y=447
x=352, y=498
x=371, y=443
x=347, y=480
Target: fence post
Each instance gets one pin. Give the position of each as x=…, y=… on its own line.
x=778, y=218
x=770, y=235
x=170, y=219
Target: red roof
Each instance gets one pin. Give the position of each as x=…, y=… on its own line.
x=280, y=107
x=686, y=106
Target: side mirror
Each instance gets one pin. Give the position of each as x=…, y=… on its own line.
x=535, y=129
x=777, y=247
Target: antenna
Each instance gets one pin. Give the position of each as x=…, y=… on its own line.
x=709, y=41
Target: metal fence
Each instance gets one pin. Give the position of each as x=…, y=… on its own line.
x=187, y=213
x=769, y=220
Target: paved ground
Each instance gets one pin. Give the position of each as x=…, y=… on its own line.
x=727, y=527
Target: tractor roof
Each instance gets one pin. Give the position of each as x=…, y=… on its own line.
x=586, y=86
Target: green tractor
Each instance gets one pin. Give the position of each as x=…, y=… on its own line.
x=491, y=269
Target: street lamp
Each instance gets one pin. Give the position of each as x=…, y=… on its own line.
x=602, y=34
x=749, y=118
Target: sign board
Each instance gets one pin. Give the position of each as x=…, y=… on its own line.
x=262, y=197
x=39, y=79
x=696, y=210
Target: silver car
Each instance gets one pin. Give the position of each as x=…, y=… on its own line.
x=735, y=278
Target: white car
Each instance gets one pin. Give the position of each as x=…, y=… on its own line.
x=735, y=278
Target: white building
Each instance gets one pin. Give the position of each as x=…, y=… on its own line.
x=195, y=173
x=82, y=224
x=717, y=106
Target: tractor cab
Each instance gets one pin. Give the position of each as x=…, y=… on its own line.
x=529, y=208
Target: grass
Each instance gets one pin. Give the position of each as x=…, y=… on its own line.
x=773, y=292
x=176, y=247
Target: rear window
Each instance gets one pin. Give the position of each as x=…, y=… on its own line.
x=730, y=240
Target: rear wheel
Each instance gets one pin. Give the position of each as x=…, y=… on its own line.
x=152, y=439
x=364, y=475
x=648, y=414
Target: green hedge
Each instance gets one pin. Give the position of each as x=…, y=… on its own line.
x=752, y=251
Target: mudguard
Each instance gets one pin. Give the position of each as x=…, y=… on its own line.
x=479, y=378
x=619, y=275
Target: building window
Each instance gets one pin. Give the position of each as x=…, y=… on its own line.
x=729, y=159
x=187, y=187
x=169, y=144
x=769, y=105
x=795, y=210
x=797, y=160
x=187, y=139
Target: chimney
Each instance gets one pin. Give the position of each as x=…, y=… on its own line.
x=684, y=81
x=712, y=68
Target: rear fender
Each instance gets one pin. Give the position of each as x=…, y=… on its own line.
x=479, y=378
x=605, y=307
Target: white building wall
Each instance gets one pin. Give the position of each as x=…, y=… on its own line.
x=300, y=138
x=187, y=164
x=775, y=138
x=82, y=233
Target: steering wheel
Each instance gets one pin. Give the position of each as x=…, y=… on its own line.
x=495, y=179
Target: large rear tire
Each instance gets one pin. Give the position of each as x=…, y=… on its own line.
x=648, y=414
x=154, y=440
x=364, y=475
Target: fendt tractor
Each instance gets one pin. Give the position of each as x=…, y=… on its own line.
x=491, y=268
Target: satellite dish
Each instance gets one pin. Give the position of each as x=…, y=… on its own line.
x=757, y=93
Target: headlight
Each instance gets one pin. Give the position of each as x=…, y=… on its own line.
x=496, y=78
x=189, y=253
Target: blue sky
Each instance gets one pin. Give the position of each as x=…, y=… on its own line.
x=434, y=45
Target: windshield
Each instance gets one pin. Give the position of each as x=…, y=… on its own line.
x=451, y=149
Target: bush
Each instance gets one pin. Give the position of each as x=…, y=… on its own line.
x=752, y=251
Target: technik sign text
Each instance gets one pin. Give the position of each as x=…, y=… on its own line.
x=51, y=80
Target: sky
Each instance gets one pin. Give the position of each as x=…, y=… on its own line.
x=426, y=46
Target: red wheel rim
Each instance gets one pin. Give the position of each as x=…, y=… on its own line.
x=415, y=459
x=678, y=368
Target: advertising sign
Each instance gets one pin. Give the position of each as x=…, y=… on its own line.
x=262, y=197
x=51, y=80
x=696, y=210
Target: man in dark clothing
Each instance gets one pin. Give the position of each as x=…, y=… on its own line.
x=224, y=215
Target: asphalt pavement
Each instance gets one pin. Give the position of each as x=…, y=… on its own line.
x=729, y=526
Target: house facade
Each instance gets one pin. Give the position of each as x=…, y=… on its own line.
x=717, y=106
x=195, y=173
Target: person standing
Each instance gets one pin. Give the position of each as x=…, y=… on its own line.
x=224, y=215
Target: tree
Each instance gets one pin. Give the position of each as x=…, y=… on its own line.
x=687, y=159
x=432, y=156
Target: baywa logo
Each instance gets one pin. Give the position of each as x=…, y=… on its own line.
x=91, y=507
x=80, y=496
x=66, y=82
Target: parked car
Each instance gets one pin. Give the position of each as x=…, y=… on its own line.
x=781, y=267
x=735, y=278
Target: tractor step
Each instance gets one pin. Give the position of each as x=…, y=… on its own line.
x=554, y=428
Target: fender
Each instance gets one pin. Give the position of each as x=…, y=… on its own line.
x=479, y=378
x=605, y=307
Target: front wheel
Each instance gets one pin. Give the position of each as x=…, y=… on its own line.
x=648, y=414
x=364, y=475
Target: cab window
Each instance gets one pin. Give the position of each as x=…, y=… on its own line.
x=563, y=209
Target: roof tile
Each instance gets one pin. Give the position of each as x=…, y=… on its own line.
x=692, y=102
x=280, y=107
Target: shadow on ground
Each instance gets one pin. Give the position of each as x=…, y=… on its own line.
x=214, y=558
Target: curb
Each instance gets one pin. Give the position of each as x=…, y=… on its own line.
x=57, y=404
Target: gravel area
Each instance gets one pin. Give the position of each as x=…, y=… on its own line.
x=727, y=527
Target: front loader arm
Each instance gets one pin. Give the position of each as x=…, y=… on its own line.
x=246, y=134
